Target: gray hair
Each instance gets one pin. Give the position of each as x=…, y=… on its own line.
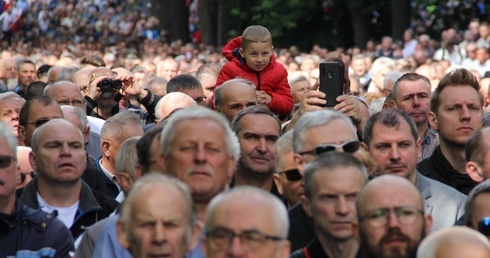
x=315, y=119
x=114, y=126
x=173, y=97
x=6, y=132
x=283, y=146
x=67, y=73
x=382, y=61
x=155, y=179
x=10, y=95
x=126, y=157
x=331, y=160
x=197, y=112
x=481, y=188
x=392, y=77
x=277, y=208
x=218, y=92
x=79, y=112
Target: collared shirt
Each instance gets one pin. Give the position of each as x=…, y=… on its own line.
x=428, y=143
x=109, y=175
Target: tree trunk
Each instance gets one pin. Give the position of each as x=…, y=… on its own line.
x=400, y=11
x=360, y=22
x=178, y=20
x=208, y=14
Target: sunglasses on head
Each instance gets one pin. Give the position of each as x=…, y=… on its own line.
x=23, y=176
x=348, y=147
x=292, y=174
x=484, y=226
x=6, y=161
x=39, y=122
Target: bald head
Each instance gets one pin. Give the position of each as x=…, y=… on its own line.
x=82, y=76
x=53, y=73
x=171, y=102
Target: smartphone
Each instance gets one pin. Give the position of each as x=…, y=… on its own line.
x=331, y=81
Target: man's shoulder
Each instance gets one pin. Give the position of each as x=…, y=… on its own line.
x=108, y=203
x=444, y=191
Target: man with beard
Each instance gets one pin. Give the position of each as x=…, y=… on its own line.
x=257, y=129
x=391, y=217
x=411, y=93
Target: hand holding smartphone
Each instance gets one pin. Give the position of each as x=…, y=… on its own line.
x=331, y=81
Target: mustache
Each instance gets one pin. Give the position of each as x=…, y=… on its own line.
x=397, y=234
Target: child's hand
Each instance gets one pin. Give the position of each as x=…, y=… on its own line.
x=263, y=98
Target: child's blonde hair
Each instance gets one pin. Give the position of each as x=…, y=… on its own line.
x=255, y=33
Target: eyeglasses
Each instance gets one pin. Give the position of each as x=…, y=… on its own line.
x=200, y=99
x=406, y=215
x=292, y=174
x=349, y=147
x=484, y=226
x=222, y=238
x=6, y=161
x=39, y=122
x=23, y=176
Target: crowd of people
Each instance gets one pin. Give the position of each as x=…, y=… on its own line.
x=165, y=150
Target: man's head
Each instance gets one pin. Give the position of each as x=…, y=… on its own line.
x=358, y=65
x=207, y=74
x=332, y=182
x=476, y=153
x=167, y=68
x=189, y=85
x=35, y=89
x=257, y=217
x=53, y=73
x=199, y=148
x=157, y=218
x=411, y=93
x=82, y=77
x=233, y=96
x=171, y=102
x=149, y=149
x=477, y=208
x=158, y=86
x=10, y=105
x=65, y=93
x=391, y=217
x=26, y=72
x=58, y=153
x=321, y=131
x=126, y=160
x=115, y=131
x=456, y=107
x=35, y=113
x=299, y=86
x=454, y=242
x=257, y=129
x=8, y=168
x=287, y=178
x=256, y=47
x=379, y=69
x=391, y=138
x=390, y=80
x=78, y=117
x=42, y=72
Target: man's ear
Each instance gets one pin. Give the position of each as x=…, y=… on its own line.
x=355, y=230
x=433, y=121
x=277, y=181
x=105, y=146
x=196, y=232
x=475, y=171
x=125, y=181
x=299, y=162
x=231, y=169
x=364, y=146
x=241, y=52
x=21, y=131
x=392, y=104
x=121, y=235
x=32, y=160
x=86, y=133
x=428, y=224
x=306, y=205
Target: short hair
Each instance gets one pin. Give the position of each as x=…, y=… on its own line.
x=171, y=97
x=382, y=61
x=481, y=188
x=66, y=74
x=412, y=77
x=197, y=112
x=207, y=70
x=283, y=146
x=315, y=119
x=392, y=76
x=255, y=34
x=389, y=118
x=144, y=143
x=456, y=77
x=25, y=61
x=34, y=89
x=9, y=95
x=218, y=92
x=277, y=208
x=139, y=69
x=126, y=157
x=158, y=180
x=182, y=83
x=25, y=110
x=297, y=79
x=79, y=112
x=114, y=126
x=93, y=60
x=257, y=110
x=156, y=81
x=486, y=119
x=331, y=160
x=6, y=132
x=43, y=70
x=450, y=236
x=47, y=89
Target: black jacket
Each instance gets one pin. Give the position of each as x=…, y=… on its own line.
x=93, y=206
x=301, y=227
x=33, y=233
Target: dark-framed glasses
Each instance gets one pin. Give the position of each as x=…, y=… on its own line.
x=221, y=238
x=348, y=147
x=39, y=122
x=406, y=215
x=484, y=226
x=23, y=176
x=6, y=161
x=292, y=174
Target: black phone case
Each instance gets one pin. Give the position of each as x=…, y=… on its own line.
x=331, y=81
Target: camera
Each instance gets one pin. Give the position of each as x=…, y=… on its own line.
x=330, y=75
x=107, y=84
